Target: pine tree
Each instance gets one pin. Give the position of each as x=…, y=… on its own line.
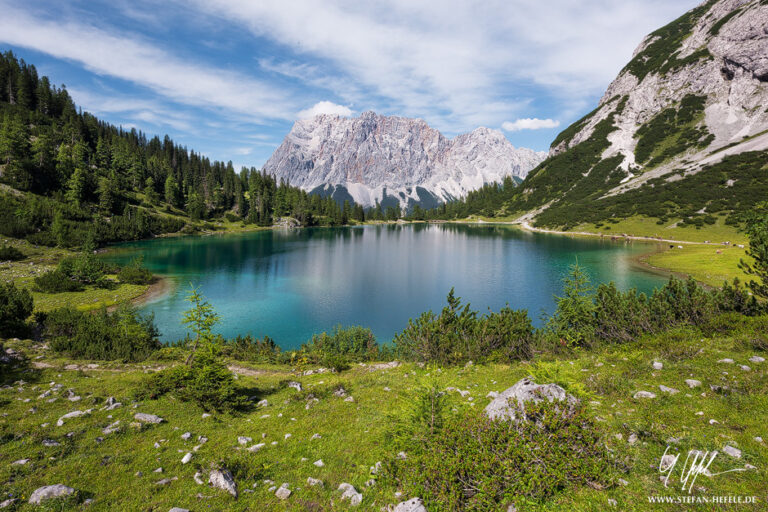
x=171, y=190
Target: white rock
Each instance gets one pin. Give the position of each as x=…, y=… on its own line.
x=187, y=458
x=756, y=359
x=412, y=505
x=147, y=418
x=657, y=365
x=70, y=415
x=314, y=482
x=671, y=391
x=177, y=509
x=186, y=435
x=693, y=383
x=319, y=463
x=733, y=452
x=20, y=462
x=348, y=492
x=745, y=368
x=49, y=492
x=256, y=447
x=726, y=361
x=244, y=440
x=525, y=390
x=644, y=394
x=198, y=478
x=222, y=479
x=283, y=492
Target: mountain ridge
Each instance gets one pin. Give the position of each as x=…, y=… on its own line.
x=381, y=158
x=688, y=109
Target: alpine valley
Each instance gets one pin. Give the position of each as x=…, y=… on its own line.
x=394, y=161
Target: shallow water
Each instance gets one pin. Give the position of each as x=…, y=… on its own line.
x=289, y=284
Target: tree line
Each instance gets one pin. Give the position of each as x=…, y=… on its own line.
x=75, y=169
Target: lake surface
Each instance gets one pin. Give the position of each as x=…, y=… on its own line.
x=289, y=284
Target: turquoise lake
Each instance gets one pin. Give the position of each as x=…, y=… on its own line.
x=289, y=284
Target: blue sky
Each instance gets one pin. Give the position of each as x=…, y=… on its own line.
x=229, y=77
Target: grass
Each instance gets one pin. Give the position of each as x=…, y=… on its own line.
x=647, y=227
x=354, y=434
x=42, y=259
x=707, y=264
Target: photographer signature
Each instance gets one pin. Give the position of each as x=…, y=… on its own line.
x=699, y=464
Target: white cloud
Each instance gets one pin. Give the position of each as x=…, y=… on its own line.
x=129, y=58
x=444, y=59
x=325, y=107
x=529, y=124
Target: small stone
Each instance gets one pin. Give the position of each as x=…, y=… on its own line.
x=319, y=463
x=8, y=502
x=315, y=436
x=623, y=482
x=187, y=458
x=713, y=422
x=612, y=502
x=314, y=482
x=412, y=505
x=147, y=418
x=50, y=443
x=756, y=359
x=733, y=452
x=745, y=368
x=349, y=399
x=262, y=403
x=177, y=509
x=657, y=365
x=283, y=492
x=758, y=439
x=186, y=435
x=671, y=391
x=351, y=494
x=206, y=415
x=726, y=361
x=244, y=440
x=49, y=492
x=667, y=461
x=158, y=470
x=402, y=456
x=73, y=414
x=287, y=436
x=198, y=478
x=164, y=481
x=20, y=462
x=256, y=447
x=693, y=383
x=644, y=394
x=295, y=385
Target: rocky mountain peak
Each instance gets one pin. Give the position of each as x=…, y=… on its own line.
x=394, y=160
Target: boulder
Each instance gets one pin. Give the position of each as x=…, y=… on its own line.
x=526, y=390
x=222, y=479
x=50, y=492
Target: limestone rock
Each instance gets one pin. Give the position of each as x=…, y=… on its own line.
x=147, y=418
x=526, y=390
x=412, y=505
x=367, y=155
x=50, y=492
x=222, y=479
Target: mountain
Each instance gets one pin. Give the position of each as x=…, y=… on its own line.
x=680, y=135
x=394, y=160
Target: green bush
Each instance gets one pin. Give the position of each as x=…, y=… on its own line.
x=15, y=307
x=206, y=381
x=10, y=253
x=473, y=463
x=458, y=335
x=246, y=348
x=123, y=335
x=352, y=343
x=135, y=273
x=84, y=268
x=56, y=281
